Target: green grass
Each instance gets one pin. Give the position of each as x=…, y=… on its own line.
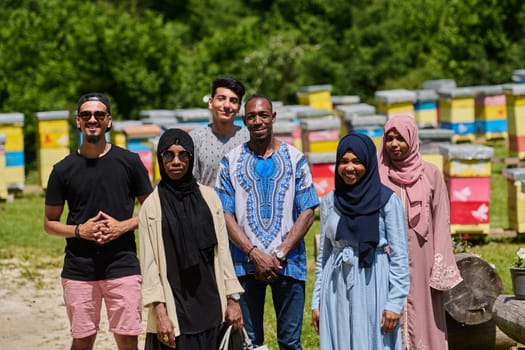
x=24, y=242
x=309, y=338
x=22, y=232
x=498, y=187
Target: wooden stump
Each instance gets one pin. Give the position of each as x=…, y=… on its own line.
x=469, y=306
x=509, y=314
x=484, y=336
x=471, y=302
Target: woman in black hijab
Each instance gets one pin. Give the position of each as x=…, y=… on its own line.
x=189, y=284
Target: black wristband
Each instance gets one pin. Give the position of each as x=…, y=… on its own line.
x=249, y=251
x=77, y=231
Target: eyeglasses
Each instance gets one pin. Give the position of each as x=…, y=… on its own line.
x=86, y=115
x=168, y=156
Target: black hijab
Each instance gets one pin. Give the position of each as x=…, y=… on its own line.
x=186, y=216
x=359, y=204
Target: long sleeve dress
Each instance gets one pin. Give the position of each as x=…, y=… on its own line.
x=433, y=268
x=351, y=300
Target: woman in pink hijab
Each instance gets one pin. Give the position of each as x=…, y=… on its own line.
x=433, y=267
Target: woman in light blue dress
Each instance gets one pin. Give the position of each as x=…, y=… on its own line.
x=362, y=273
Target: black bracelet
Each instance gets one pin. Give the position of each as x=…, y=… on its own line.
x=249, y=251
x=77, y=231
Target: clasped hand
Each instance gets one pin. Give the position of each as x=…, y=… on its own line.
x=102, y=228
x=266, y=266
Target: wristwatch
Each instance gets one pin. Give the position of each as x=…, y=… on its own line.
x=279, y=255
x=234, y=297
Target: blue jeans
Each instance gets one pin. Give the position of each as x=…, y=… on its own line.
x=288, y=300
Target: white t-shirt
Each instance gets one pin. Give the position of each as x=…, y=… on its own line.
x=209, y=150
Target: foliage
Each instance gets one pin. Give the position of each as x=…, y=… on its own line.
x=460, y=243
x=163, y=54
x=520, y=260
x=500, y=253
x=54, y=51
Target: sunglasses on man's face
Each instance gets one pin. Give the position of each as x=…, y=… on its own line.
x=168, y=156
x=86, y=115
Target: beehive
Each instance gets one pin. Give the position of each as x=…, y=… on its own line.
x=456, y=107
x=467, y=170
x=11, y=125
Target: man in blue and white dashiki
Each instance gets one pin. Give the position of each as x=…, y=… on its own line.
x=268, y=196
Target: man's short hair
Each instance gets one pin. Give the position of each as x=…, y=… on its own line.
x=229, y=83
x=257, y=96
x=94, y=96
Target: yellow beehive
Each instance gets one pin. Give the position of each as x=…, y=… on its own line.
x=516, y=119
x=493, y=112
x=456, y=105
x=316, y=96
x=395, y=102
x=53, y=141
x=436, y=159
x=117, y=135
x=14, y=137
x=323, y=146
x=466, y=167
x=515, y=198
x=490, y=102
x=396, y=108
x=320, y=134
x=426, y=117
x=429, y=141
x=118, y=138
x=490, y=112
x=515, y=103
x=483, y=229
x=53, y=133
x=466, y=160
x=156, y=170
x=47, y=158
x=11, y=125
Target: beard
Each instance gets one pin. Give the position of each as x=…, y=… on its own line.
x=93, y=138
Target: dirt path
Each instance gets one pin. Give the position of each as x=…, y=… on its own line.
x=32, y=312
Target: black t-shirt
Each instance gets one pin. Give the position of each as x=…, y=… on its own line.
x=109, y=184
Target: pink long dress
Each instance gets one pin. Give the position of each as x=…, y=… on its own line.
x=433, y=268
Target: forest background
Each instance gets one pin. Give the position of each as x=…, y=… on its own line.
x=148, y=54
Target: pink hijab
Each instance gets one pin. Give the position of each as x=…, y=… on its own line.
x=407, y=172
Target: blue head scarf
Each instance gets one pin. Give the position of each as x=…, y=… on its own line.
x=360, y=203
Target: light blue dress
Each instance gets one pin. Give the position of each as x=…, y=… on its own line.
x=351, y=300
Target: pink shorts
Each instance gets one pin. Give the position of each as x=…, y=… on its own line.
x=122, y=298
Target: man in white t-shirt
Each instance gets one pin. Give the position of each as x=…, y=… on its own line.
x=214, y=140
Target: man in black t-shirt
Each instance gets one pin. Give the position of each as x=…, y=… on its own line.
x=100, y=183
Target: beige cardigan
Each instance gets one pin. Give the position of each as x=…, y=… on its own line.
x=155, y=286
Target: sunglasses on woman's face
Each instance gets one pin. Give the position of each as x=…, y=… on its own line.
x=168, y=156
x=86, y=115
